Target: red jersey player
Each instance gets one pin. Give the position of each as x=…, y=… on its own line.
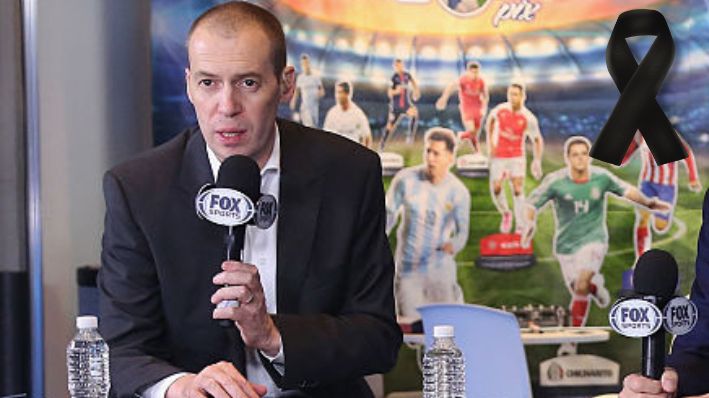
x=658, y=182
x=508, y=126
x=473, y=99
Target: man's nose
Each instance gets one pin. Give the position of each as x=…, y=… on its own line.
x=229, y=102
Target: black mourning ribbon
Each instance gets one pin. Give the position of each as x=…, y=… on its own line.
x=637, y=108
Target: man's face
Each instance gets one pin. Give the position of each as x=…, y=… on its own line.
x=341, y=95
x=515, y=96
x=438, y=158
x=398, y=66
x=305, y=65
x=474, y=72
x=235, y=92
x=578, y=157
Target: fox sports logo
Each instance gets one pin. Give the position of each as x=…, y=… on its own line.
x=224, y=206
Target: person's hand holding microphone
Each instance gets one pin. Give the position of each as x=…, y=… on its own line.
x=654, y=283
x=241, y=282
x=240, y=301
x=636, y=386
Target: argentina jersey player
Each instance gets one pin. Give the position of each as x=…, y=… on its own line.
x=434, y=208
x=430, y=217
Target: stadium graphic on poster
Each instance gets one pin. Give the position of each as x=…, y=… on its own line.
x=512, y=81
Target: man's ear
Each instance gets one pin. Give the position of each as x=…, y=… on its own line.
x=287, y=83
x=187, y=83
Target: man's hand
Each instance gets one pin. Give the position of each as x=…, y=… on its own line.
x=220, y=380
x=447, y=247
x=695, y=186
x=536, y=167
x=636, y=386
x=256, y=326
x=440, y=105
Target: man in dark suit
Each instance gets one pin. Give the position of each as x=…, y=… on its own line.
x=688, y=364
x=316, y=301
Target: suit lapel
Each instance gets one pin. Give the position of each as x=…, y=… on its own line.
x=195, y=170
x=300, y=195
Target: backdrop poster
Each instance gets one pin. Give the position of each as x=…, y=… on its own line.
x=465, y=66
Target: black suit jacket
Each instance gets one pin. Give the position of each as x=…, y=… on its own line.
x=690, y=352
x=334, y=267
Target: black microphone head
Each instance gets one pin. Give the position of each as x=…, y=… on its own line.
x=240, y=173
x=655, y=274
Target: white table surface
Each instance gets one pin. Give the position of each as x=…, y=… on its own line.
x=550, y=335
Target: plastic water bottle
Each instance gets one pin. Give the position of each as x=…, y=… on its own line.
x=443, y=366
x=87, y=361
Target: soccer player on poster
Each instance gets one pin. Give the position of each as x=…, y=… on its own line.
x=309, y=87
x=434, y=206
x=659, y=182
x=402, y=93
x=473, y=99
x=508, y=126
x=346, y=118
x=578, y=195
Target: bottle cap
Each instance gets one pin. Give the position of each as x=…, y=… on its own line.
x=443, y=331
x=86, y=322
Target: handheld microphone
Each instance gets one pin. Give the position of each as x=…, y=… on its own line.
x=655, y=279
x=652, y=306
x=241, y=175
x=234, y=201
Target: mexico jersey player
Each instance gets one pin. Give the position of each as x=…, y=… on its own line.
x=578, y=196
x=659, y=181
x=509, y=125
x=434, y=207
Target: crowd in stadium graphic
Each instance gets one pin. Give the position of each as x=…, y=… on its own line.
x=433, y=205
x=484, y=137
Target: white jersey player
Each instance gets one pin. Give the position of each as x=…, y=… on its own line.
x=346, y=118
x=310, y=88
x=434, y=206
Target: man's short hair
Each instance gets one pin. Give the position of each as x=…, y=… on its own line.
x=228, y=18
x=575, y=140
x=346, y=86
x=442, y=134
x=304, y=57
x=518, y=85
x=473, y=65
